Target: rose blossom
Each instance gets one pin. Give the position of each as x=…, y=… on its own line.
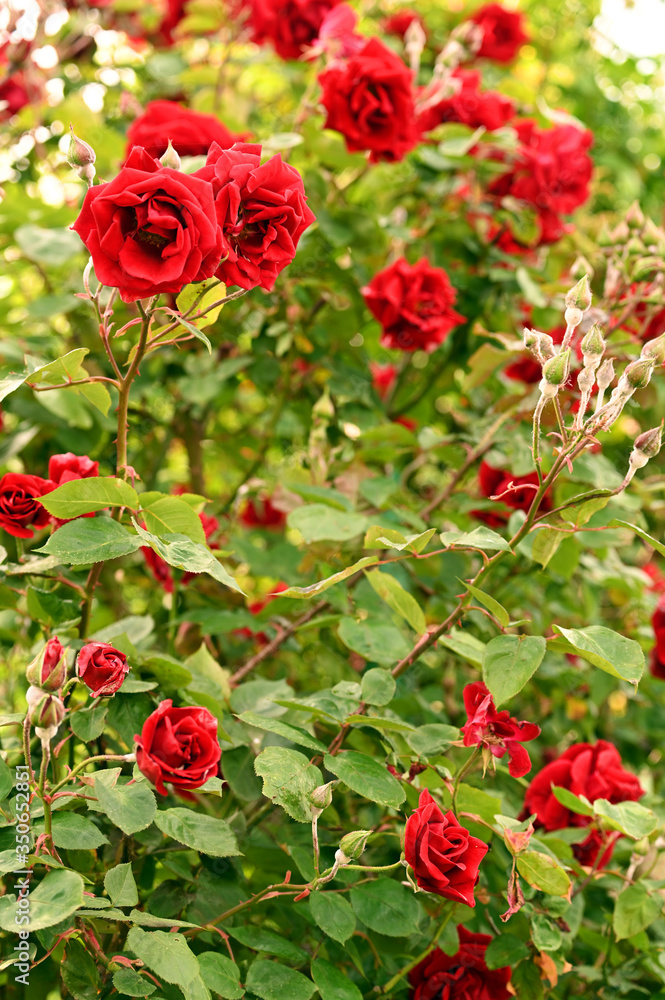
x=68, y=466
x=502, y=32
x=178, y=745
x=383, y=377
x=592, y=770
x=19, y=503
x=413, y=304
x=467, y=104
x=657, y=663
x=260, y=513
x=494, y=482
x=262, y=213
x=444, y=856
x=369, y=98
x=102, y=668
x=290, y=26
x=462, y=976
x=190, y=132
x=399, y=22
x=151, y=229
x=496, y=730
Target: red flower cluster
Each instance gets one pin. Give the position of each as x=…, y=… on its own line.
x=190, y=132
x=497, y=731
x=592, y=770
x=502, y=30
x=291, y=27
x=178, y=745
x=369, y=98
x=260, y=513
x=657, y=665
x=462, y=976
x=444, y=856
x=413, y=304
x=494, y=482
x=102, y=668
x=467, y=104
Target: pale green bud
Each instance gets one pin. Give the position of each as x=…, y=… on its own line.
x=655, y=349
x=638, y=373
x=557, y=369
x=170, y=158
x=579, y=296
x=353, y=844
x=593, y=345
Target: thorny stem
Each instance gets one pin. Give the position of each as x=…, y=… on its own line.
x=273, y=646
x=46, y=755
x=84, y=763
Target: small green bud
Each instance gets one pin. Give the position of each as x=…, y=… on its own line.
x=353, y=844
x=321, y=797
x=593, y=345
x=604, y=238
x=638, y=373
x=579, y=297
x=581, y=266
x=655, y=349
x=635, y=216
x=649, y=442
x=605, y=375
x=646, y=266
x=557, y=369
x=653, y=235
x=635, y=246
x=540, y=344
x=80, y=153
x=170, y=158
x=47, y=712
x=620, y=233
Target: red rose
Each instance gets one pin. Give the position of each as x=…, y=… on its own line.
x=337, y=35
x=178, y=745
x=494, y=482
x=467, y=104
x=291, y=27
x=370, y=100
x=657, y=581
x=260, y=513
x=102, y=668
x=383, y=377
x=413, y=304
x=399, y=22
x=502, y=32
x=657, y=664
x=48, y=670
x=594, y=771
x=190, y=132
x=261, y=209
x=19, y=503
x=63, y=468
x=444, y=856
x=496, y=730
x=151, y=229
x=462, y=976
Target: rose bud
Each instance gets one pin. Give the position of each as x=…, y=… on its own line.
x=638, y=373
x=655, y=349
x=48, y=670
x=178, y=745
x=47, y=712
x=353, y=844
x=593, y=346
x=321, y=797
x=170, y=158
x=80, y=154
x=635, y=216
x=102, y=668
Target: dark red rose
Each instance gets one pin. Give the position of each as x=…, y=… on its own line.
x=496, y=730
x=657, y=665
x=657, y=662
x=444, y=856
x=596, y=848
x=260, y=513
x=494, y=482
x=291, y=26
x=19, y=503
x=370, y=99
x=178, y=745
x=657, y=580
x=502, y=30
x=592, y=770
x=466, y=104
x=151, y=229
x=48, y=670
x=399, y=22
x=191, y=133
x=462, y=976
x=413, y=304
x=66, y=467
x=383, y=377
x=262, y=213
x=102, y=668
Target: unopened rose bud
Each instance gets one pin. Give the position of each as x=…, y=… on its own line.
x=635, y=247
x=170, y=158
x=653, y=235
x=604, y=238
x=321, y=797
x=540, y=344
x=655, y=349
x=353, y=844
x=649, y=442
x=47, y=712
x=593, y=346
x=579, y=297
x=581, y=266
x=557, y=369
x=647, y=267
x=605, y=375
x=638, y=373
x=48, y=670
x=634, y=216
x=620, y=233
x=414, y=40
x=80, y=153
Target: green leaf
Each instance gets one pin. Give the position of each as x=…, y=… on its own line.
x=545, y=544
x=332, y=983
x=480, y=538
x=172, y=515
x=373, y=640
x=220, y=975
x=378, y=686
x=509, y=662
x=545, y=935
x=270, y=943
x=606, y=649
x=169, y=957
x=333, y=914
x=635, y=910
x=465, y=645
x=131, y=807
x=328, y=496
x=74, y=832
x=201, y=295
x=56, y=897
x=199, y=831
x=288, y=780
x=640, y=532
x=543, y=872
x=50, y=247
x=91, y=540
x=194, y=330
x=289, y=732
x=526, y=981
x=130, y=984
x=84, y=496
x=507, y=949
x=387, y=907
x=393, y=593
x=318, y=588
x=79, y=972
x=6, y=780
x=631, y=818
x=120, y=884
x=181, y=552
x=432, y=739
x=366, y=777
x=578, y=805
x=317, y=522
x=88, y=723
x=490, y=603
x=271, y=981
x=387, y=538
